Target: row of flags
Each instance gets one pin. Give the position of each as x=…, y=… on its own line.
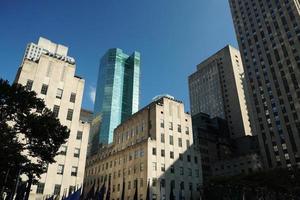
x=101, y=193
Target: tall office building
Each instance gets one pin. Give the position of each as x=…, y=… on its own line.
x=50, y=72
x=154, y=146
x=217, y=89
x=117, y=94
x=268, y=34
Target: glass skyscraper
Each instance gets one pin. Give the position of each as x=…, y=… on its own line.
x=117, y=94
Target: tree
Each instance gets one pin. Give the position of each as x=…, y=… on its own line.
x=30, y=135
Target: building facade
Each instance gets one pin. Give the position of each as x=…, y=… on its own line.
x=117, y=93
x=268, y=34
x=47, y=70
x=154, y=146
x=217, y=89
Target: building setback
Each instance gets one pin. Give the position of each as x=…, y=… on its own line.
x=117, y=93
x=268, y=34
x=217, y=89
x=47, y=70
x=155, y=146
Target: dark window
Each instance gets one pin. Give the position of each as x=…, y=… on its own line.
x=57, y=189
x=55, y=110
x=40, y=188
x=74, y=171
x=59, y=93
x=73, y=97
x=70, y=114
x=79, y=135
x=29, y=84
x=44, y=89
x=153, y=151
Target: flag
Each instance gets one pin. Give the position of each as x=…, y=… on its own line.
x=136, y=190
x=50, y=198
x=108, y=190
x=148, y=192
x=91, y=193
x=101, y=192
x=123, y=190
x=75, y=195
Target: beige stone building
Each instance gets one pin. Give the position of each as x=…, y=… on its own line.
x=154, y=145
x=217, y=88
x=47, y=70
x=268, y=34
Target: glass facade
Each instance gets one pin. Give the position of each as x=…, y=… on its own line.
x=117, y=94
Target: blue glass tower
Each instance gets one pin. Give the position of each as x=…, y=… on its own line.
x=117, y=93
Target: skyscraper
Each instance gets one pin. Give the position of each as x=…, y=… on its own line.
x=117, y=94
x=268, y=34
x=217, y=89
x=50, y=72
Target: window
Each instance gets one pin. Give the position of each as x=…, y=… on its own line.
x=60, y=169
x=63, y=150
x=40, y=188
x=188, y=158
x=180, y=156
x=29, y=84
x=142, y=167
x=162, y=138
x=171, y=140
x=154, y=166
x=163, y=183
x=154, y=182
x=162, y=124
x=181, y=171
x=59, y=93
x=163, y=168
x=162, y=153
x=171, y=154
x=172, y=169
x=153, y=151
x=170, y=126
x=187, y=130
x=190, y=171
x=179, y=142
x=187, y=143
x=70, y=114
x=79, y=135
x=76, y=152
x=179, y=128
x=57, y=189
x=44, y=89
x=74, y=171
x=55, y=110
x=73, y=97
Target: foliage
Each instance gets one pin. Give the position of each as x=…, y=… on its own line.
x=30, y=134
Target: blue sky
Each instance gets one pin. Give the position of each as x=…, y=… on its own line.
x=173, y=36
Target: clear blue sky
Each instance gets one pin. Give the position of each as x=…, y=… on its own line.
x=173, y=36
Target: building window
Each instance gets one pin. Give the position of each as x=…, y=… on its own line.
x=59, y=93
x=142, y=167
x=163, y=168
x=74, y=171
x=63, y=150
x=70, y=114
x=188, y=158
x=190, y=171
x=154, y=182
x=44, y=89
x=179, y=142
x=57, y=189
x=60, y=169
x=55, y=110
x=181, y=171
x=170, y=125
x=153, y=151
x=79, y=135
x=162, y=153
x=154, y=166
x=179, y=128
x=40, y=188
x=187, y=131
x=171, y=154
x=76, y=152
x=187, y=143
x=171, y=140
x=172, y=169
x=73, y=97
x=163, y=183
x=29, y=84
x=162, y=138
x=162, y=124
